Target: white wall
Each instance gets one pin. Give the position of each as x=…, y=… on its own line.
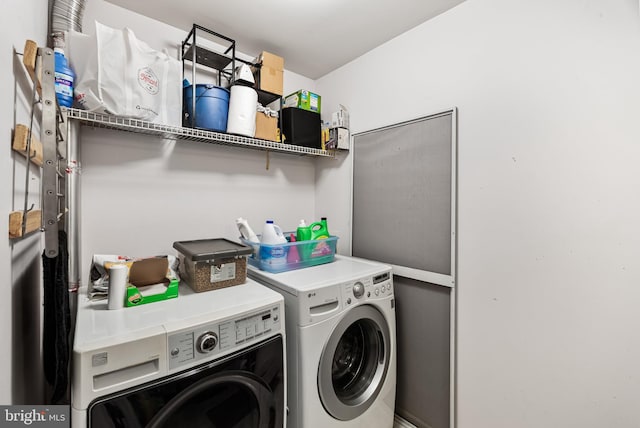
x=549, y=98
x=139, y=194
x=21, y=303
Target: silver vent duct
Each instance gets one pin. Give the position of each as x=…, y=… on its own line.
x=65, y=15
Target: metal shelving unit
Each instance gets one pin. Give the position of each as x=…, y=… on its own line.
x=49, y=153
x=106, y=121
x=222, y=63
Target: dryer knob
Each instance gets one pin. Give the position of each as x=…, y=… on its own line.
x=207, y=342
x=358, y=290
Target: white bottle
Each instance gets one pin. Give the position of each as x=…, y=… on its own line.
x=117, y=286
x=271, y=252
x=246, y=231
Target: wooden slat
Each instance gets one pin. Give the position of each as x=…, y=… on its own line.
x=20, y=139
x=34, y=219
x=29, y=60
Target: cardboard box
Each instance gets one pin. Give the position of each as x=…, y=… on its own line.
x=267, y=126
x=305, y=100
x=269, y=76
x=270, y=60
x=149, y=280
x=338, y=139
x=340, y=118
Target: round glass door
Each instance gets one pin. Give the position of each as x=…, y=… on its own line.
x=354, y=363
x=242, y=390
x=225, y=400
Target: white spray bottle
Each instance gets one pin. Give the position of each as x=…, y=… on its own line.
x=245, y=230
x=247, y=233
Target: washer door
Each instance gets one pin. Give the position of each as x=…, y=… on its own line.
x=242, y=390
x=233, y=399
x=354, y=363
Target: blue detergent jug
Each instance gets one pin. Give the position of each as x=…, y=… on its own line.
x=273, y=248
x=64, y=77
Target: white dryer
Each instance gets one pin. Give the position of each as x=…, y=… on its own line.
x=215, y=358
x=341, y=344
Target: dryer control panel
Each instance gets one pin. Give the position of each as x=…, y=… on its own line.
x=371, y=287
x=208, y=341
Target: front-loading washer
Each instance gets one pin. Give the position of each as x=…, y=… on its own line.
x=341, y=343
x=211, y=359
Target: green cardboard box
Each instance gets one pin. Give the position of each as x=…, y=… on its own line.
x=305, y=100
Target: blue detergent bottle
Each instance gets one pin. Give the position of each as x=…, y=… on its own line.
x=273, y=248
x=65, y=77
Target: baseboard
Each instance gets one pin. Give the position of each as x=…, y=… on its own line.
x=400, y=422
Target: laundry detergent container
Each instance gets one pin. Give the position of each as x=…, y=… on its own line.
x=212, y=107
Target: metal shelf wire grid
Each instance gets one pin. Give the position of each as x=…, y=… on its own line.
x=101, y=120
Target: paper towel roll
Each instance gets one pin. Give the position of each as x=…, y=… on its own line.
x=117, y=286
x=242, y=111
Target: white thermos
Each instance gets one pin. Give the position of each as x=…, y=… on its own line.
x=242, y=111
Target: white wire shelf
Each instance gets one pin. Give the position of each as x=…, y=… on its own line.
x=100, y=120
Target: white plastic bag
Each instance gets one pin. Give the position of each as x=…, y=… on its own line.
x=118, y=74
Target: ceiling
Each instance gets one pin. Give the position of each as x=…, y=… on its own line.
x=313, y=37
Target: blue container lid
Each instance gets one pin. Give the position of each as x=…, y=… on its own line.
x=207, y=90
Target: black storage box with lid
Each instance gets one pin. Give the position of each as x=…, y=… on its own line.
x=301, y=127
x=209, y=264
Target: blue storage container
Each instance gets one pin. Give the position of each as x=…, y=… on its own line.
x=311, y=253
x=212, y=106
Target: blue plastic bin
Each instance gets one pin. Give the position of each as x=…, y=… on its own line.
x=310, y=253
x=212, y=106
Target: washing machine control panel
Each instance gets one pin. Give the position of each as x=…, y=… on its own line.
x=358, y=289
x=380, y=285
x=206, y=341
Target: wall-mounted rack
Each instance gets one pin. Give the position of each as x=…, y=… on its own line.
x=191, y=134
x=48, y=152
